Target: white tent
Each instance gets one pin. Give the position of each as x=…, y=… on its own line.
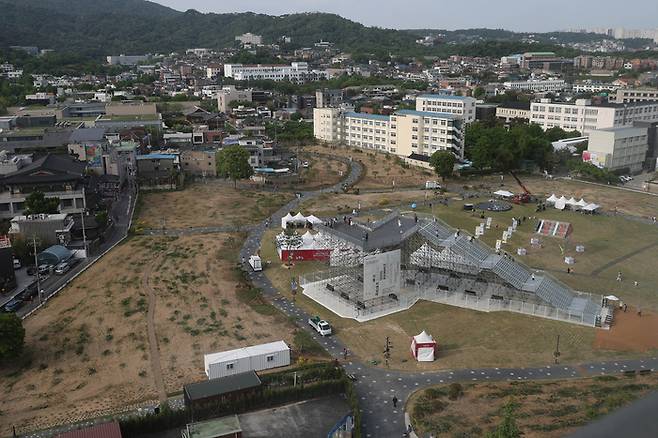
x=552, y=199
x=572, y=201
x=308, y=238
x=298, y=219
x=591, y=207
x=285, y=219
x=423, y=347
x=561, y=203
x=582, y=203
x=504, y=194
x=314, y=220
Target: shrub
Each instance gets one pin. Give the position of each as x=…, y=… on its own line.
x=455, y=390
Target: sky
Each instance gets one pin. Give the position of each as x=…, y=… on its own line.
x=518, y=15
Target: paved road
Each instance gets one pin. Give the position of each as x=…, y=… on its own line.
x=377, y=386
x=121, y=213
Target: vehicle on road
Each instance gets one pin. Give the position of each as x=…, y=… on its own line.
x=44, y=269
x=255, y=263
x=31, y=270
x=320, y=325
x=17, y=264
x=432, y=185
x=305, y=164
x=13, y=305
x=29, y=293
x=62, y=268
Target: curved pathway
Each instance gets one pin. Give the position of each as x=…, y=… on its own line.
x=154, y=350
x=377, y=386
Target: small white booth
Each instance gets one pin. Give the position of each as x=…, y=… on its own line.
x=423, y=347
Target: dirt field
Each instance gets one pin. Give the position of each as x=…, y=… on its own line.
x=381, y=170
x=328, y=204
x=541, y=409
x=206, y=205
x=321, y=172
x=88, y=351
x=630, y=332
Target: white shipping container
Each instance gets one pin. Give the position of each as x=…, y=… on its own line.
x=256, y=358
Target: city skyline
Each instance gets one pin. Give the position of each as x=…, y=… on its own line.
x=508, y=14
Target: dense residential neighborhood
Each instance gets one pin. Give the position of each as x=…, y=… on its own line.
x=248, y=225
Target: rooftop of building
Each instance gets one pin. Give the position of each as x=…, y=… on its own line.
x=444, y=96
x=367, y=116
x=426, y=114
x=225, y=426
x=222, y=385
x=128, y=118
x=516, y=105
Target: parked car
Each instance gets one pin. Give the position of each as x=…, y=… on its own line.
x=29, y=293
x=62, y=268
x=31, y=270
x=17, y=264
x=305, y=164
x=13, y=305
x=44, y=269
x=320, y=325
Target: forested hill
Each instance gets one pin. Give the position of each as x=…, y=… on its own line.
x=101, y=27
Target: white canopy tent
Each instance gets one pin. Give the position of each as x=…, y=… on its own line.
x=504, y=194
x=423, y=347
x=314, y=220
x=285, y=219
x=298, y=219
x=561, y=203
x=582, y=203
x=591, y=207
x=572, y=201
x=552, y=199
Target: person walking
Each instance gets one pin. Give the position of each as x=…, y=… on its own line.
x=395, y=401
x=639, y=311
x=619, y=276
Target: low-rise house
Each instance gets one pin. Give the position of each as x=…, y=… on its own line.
x=50, y=229
x=199, y=162
x=158, y=170
x=57, y=176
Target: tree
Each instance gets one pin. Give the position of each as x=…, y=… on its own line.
x=508, y=427
x=12, y=336
x=290, y=240
x=443, y=163
x=37, y=203
x=233, y=163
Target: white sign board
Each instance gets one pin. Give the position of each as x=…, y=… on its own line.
x=381, y=274
x=489, y=220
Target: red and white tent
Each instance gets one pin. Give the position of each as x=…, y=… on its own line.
x=422, y=347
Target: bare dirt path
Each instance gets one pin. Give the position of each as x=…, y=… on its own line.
x=154, y=350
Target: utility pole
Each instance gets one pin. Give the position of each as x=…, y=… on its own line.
x=36, y=266
x=84, y=234
x=387, y=350
x=556, y=354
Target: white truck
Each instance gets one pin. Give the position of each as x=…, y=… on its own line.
x=432, y=185
x=255, y=263
x=320, y=325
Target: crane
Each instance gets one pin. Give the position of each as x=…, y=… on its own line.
x=521, y=198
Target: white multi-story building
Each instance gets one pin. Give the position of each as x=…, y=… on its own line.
x=618, y=148
x=462, y=106
x=594, y=87
x=403, y=133
x=230, y=94
x=249, y=39
x=585, y=117
x=637, y=95
x=536, y=85
x=295, y=72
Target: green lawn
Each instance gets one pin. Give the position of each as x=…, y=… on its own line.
x=605, y=239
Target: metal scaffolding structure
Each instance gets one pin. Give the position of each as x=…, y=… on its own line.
x=440, y=264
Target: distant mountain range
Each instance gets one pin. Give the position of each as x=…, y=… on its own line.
x=103, y=27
